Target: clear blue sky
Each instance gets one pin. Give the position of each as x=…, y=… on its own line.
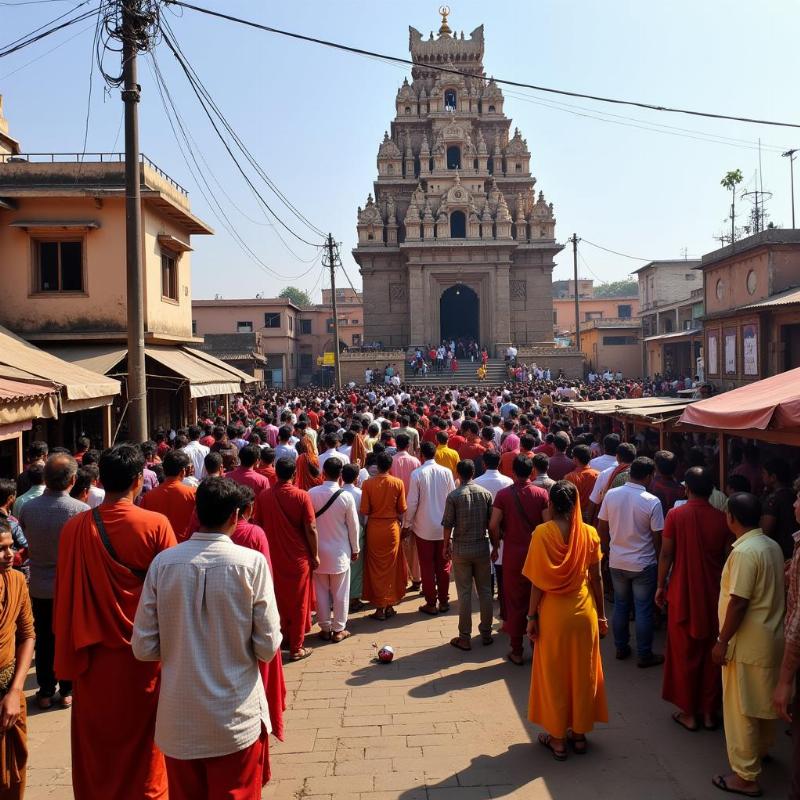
x=314, y=117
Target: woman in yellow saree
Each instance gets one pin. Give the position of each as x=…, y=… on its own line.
x=566, y=619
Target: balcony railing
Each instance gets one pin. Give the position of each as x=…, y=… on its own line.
x=87, y=158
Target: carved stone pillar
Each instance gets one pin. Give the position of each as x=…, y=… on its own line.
x=502, y=305
x=416, y=306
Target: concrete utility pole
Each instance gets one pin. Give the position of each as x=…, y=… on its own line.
x=337, y=371
x=575, y=241
x=790, y=155
x=131, y=91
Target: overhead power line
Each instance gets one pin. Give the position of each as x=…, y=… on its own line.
x=218, y=119
x=616, y=252
x=42, y=32
x=453, y=70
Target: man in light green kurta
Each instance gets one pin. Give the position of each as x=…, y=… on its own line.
x=750, y=643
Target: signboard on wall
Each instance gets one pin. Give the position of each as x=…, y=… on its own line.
x=750, y=349
x=713, y=353
x=730, y=352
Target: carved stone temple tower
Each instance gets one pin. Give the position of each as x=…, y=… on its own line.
x=456, y=241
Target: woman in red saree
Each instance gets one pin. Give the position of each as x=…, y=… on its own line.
x=252, y=536
x=566, y=619
x=308, y=472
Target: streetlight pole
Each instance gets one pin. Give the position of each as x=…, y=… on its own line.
x=575, y=241
x=790, y=155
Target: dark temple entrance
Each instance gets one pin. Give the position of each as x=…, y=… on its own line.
x=459, y=313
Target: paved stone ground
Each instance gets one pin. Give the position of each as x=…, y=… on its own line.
x=438, y=724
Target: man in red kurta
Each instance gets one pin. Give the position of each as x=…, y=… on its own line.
x=246, y=474
x=287, y=516
x=695, y=543
x=173, y=498
x=96, y=593
x=517, y=510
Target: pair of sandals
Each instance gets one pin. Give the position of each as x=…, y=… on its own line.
x=382, y=614
x=432, y=611
x=301, y=654
x=462, y=643
x=334, y=636
x=578, y=743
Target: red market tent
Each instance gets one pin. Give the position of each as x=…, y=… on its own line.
x=768, y=410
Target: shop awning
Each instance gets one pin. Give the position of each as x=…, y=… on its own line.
x=79, y=388
x=21, y=401
x=653, y=409
x=207, y=376
x=675, y=335
x=773, y=403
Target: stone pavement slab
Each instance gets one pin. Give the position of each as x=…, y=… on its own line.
x=439, y=724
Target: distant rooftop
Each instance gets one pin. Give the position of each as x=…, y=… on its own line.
x=770, y=236
x=246, y=301
x=688, y=262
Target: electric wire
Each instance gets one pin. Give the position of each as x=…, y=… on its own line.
x=208, y=193
x=42, y=32
x=204, y=103
x=455, y=71
x=46, y=52
x=616, y=252
x=241, y=145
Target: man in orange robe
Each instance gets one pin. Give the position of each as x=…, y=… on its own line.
x=99, y=578
x=173, y=498
x=287, y=516
x=383, y=502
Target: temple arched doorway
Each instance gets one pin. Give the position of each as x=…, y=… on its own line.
x=459, y=313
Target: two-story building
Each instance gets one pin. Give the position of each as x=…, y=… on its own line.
x=264, y=330
x=670, y=303
x=62, y=247
x=316, y=333
x=752, y=308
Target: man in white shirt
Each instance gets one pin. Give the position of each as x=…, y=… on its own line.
x=630, y=523
x=337, y=529
x=208, y=614
x=493, y=481
x=196, y=451
x=286, y=447
x=330, y=440
x=429, y=486
x=609, y=457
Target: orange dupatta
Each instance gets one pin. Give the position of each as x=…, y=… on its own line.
x=358, y=452
x=556, y=566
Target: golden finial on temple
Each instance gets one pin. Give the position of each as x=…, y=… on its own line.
x=444, y=30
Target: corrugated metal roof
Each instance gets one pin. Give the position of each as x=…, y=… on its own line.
x=673, y=335
x=781, y=299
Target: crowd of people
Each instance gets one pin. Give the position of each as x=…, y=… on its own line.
x=187, y=568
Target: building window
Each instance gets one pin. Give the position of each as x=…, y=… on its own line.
x=305, y=326
x=458, y=225
x=272, y=319
x=592, y=315
x=291, y=324
x=668, y=325
x=244, y=327
x=194, y=327
x=59, y=266
x=169, y=276
x=518, y=167
x=555, y=317
x=624, y=312
x=408, y=109
x=490, y=165
x=450, y=99
x=454, y=157
x=618, y=340
x=354, y=322
x=356, y=340
x=491, y=109
x=329, y=325
x=306, y=362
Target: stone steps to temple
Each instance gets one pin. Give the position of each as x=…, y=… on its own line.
x=464, y=375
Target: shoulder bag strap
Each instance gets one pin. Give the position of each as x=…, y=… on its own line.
x=101, y=530
x=318, y=514
x=522, y=511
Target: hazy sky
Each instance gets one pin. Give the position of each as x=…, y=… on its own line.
x=314, y=117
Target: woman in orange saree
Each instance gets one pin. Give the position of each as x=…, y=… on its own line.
x=308, y=472
x=566, y=619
